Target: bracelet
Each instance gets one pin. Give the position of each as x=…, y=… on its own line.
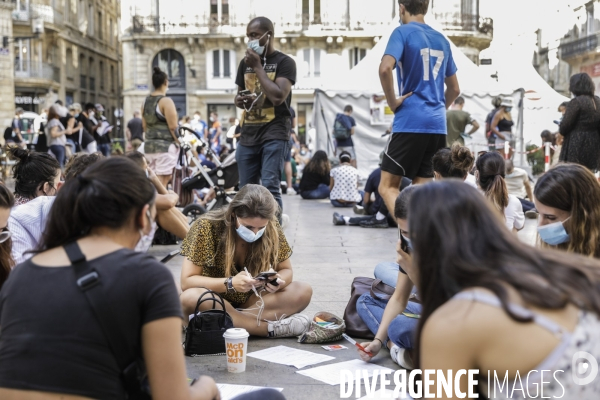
x=380, y=341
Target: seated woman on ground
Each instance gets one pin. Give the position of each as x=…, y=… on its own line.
x=315, y=180
x=344, y=184
x=454, y=162
x=500, y=306
x=7, y=201
x=68, y=354
x=490, y=170
x=168, y=216
x=568, y=200
x=223, y=244
x=449, y=163
x=386, y=318
x=28, y=221
x=35, y=174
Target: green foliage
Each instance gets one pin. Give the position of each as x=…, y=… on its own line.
x=536, y=160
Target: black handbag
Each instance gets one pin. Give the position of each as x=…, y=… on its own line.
x=204, y=333
x=133, y=375
x=354, y=323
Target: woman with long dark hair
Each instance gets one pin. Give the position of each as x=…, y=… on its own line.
x=35, y=174
x=502, y=125
x=315, y=178
x=7, y=201
x=579, y=125
x=490, y=171
x=45, y=314
x=227, y=249
x=568, y=200
x=159, y=119
x=493, y=303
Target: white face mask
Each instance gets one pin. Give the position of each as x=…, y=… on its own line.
x=91, y=114
x=146, y=240
x=247, y=234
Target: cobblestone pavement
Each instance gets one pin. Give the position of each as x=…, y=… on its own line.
x=328, y=257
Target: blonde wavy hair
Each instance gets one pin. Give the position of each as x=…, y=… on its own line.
x=252, y=201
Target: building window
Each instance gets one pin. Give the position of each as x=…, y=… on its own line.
x=311, y=12
x=90, y=20
x=111, y=34
x=112, y=79
x=312, y=63
x=100, y=33
x=356, y=54
x=69, y=66
x=92, y=72
x=219, y=12
x=172, y=62
x=82, y=74
x=221, y=64
x=82, y=20
x=101, y=75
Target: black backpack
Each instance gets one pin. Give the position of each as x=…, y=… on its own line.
x=340, y=132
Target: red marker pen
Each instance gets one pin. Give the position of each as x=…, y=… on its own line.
x=348, y=338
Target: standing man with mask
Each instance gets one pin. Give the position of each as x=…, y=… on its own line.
x=423, y=61
x=265, y=78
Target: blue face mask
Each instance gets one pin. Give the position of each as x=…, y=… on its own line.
x=255, y=45
x=508, y=109
x=554, y=234
x=247, y=234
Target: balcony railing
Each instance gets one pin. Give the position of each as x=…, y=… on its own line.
x=46, y=13
x=34, y=69
x=580, y=46
x=203, y=24
x=465, y=22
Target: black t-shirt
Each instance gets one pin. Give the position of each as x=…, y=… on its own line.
x=52, y=342
x=311, y=180
x=266, y=121
x=372, y=186
x=136, y=128
x=86, y=134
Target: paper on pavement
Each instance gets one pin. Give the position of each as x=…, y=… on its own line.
x=228, y=392
x=290, y=356
x=331, y=373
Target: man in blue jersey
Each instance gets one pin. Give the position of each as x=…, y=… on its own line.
x=423, y=62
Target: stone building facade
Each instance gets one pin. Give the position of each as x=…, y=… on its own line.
x=201, y=47
x=7, y=75
x=67, y=50
x=580, y=46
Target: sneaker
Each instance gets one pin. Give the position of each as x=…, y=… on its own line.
x=285, y=221
x=401, y=357
x=291, y=191
x=360, y=210
x=338, y=219
x=294, y=325
x=532, y=214
x=374, y=223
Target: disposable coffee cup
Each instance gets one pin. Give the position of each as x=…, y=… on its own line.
x=236, y=344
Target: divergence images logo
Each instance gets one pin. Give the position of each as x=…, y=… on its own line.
x=584, y=368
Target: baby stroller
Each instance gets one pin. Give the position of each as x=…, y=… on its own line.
x=223, y=180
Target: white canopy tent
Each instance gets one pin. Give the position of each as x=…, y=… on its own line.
x=362, y=82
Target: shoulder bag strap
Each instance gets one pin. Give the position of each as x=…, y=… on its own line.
x=90, y=283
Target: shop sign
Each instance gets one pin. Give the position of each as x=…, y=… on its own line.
x=29, y=100
x=591, y=70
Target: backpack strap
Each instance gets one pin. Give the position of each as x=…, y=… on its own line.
x=90, y=283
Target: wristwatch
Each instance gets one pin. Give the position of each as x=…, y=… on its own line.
x=229, y=285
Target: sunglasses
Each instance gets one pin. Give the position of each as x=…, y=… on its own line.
x=5, y=234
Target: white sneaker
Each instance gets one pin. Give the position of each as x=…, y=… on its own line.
x=294, y=325
x=401, y=357
x=285, y=221
x=291, y=192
